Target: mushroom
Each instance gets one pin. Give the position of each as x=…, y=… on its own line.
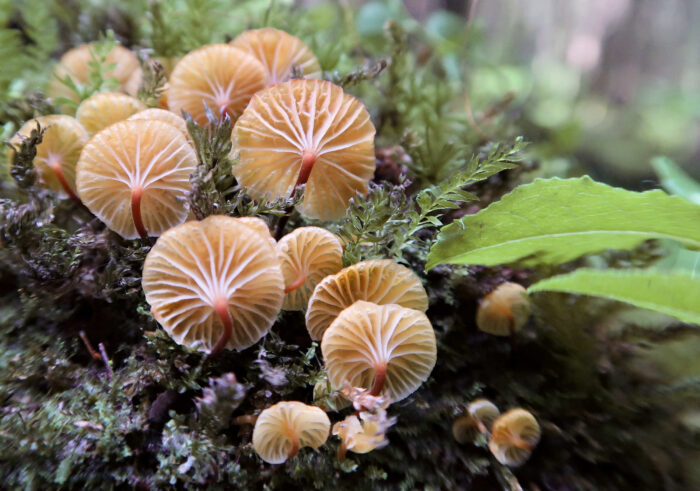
x=281, y=430
x=58, y=152
x=515, y=434
x=381, y=281
x=279, y=52
x=504, y=311
x=214, y=284
x=305, y=132
x=307, y=255
x=217, y=76
x=480, y=416
x=134, y=176
x=164, y=116
x=363, y=432
x=105, y=108
x=386, y=347
x=120, y=64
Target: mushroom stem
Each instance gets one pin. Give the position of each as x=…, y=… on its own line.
x=295, y=445
x=308, y=159
x=136, y=195
x=296, y=283
x=379, y=378
x=521, y=444
x=342, y=450
x=64, y=184
x=221, y=308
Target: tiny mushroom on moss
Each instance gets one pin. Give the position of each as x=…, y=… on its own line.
x=307, y=255
x=504, y=311
x=388, y=349
x=515, y=435
x=105, y=108
x=214, y=284
x=480, y=416
x=381, y=281
x=281, y=430
x=135, y=177
x=164, y=116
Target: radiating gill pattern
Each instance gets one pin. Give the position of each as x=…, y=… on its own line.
x=278, y=425
x=279, y=52
x=307, y=255
x=59, y=150
x=197, y=265
x=515, y=434
x=150, y=159
x=366, y=335
x=217, y=76
x=105, y=108
x=287, y=121
x=164, y=116
x=381, y=281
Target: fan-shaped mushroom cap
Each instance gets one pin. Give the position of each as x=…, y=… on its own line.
x=305, y=131
x=203, y=278
x=259, y=226
x=385, y=346
x=504, y=311
x=217, y=76
x=58, y=152
x=75, y=64
x=165, y=116
x=480, y=416
x=381, y=281
x=279, y=52
x=515, y=434
x=307, y=255
x=281, y=430
x=105, y=108
x=134, y=176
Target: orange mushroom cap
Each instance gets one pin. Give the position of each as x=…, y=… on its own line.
x=481, y=414
x=386, y=347
x=381, y=281
x=279, y=52
x=105, y=108
x=281, y=430
x=305, y=132
x=504, y=311
x=515, y=434
x=134, y=176
x=307, y=255
x=217, y=76
x=164, y=116
x=75, y=64
x=205, y=278
x=58, y=152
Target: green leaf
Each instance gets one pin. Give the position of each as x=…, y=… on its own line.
x=675, y=180
x=552, y=221
x=674, y=293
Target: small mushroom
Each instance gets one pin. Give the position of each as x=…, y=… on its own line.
x=307, y=255
x=279, y=52
x=381, y=347
x=106, y=108
x=504, y=311
x=381, y=281
x=120, y=64
x=281, y=430
x=217, y=76
x=164, y=116
x=305, y=132
x=58, y=152
x=214, y=284
x=515, y=435
x=480, y=416
x=135, y=177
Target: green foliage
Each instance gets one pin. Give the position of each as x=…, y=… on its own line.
x=386, y=223
x=674, y=294
x=153, y=81
x=22, y=167
x=557, y=220
x=675, y=180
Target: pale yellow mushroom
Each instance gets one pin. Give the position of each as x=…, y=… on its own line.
x=281, y=430
x=480, y=416
x=504, y=311
x=164, y=116
x=106, y=108
x=381, y=281
x=307, y=255
x=515, y=435
x=388, y=349
x=214, y=284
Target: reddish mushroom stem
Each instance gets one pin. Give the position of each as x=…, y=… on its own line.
x=221, y=308
x=342, y=450
x=379, y=378
x=520, y=443
x=64, y=184
x=308, y=159
x=136, y=195
x=296, y=283
x=295, y=445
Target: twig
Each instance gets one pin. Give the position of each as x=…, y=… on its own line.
x=89, y=347
x=106, y=360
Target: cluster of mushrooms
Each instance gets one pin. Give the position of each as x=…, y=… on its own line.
x=221, y=282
